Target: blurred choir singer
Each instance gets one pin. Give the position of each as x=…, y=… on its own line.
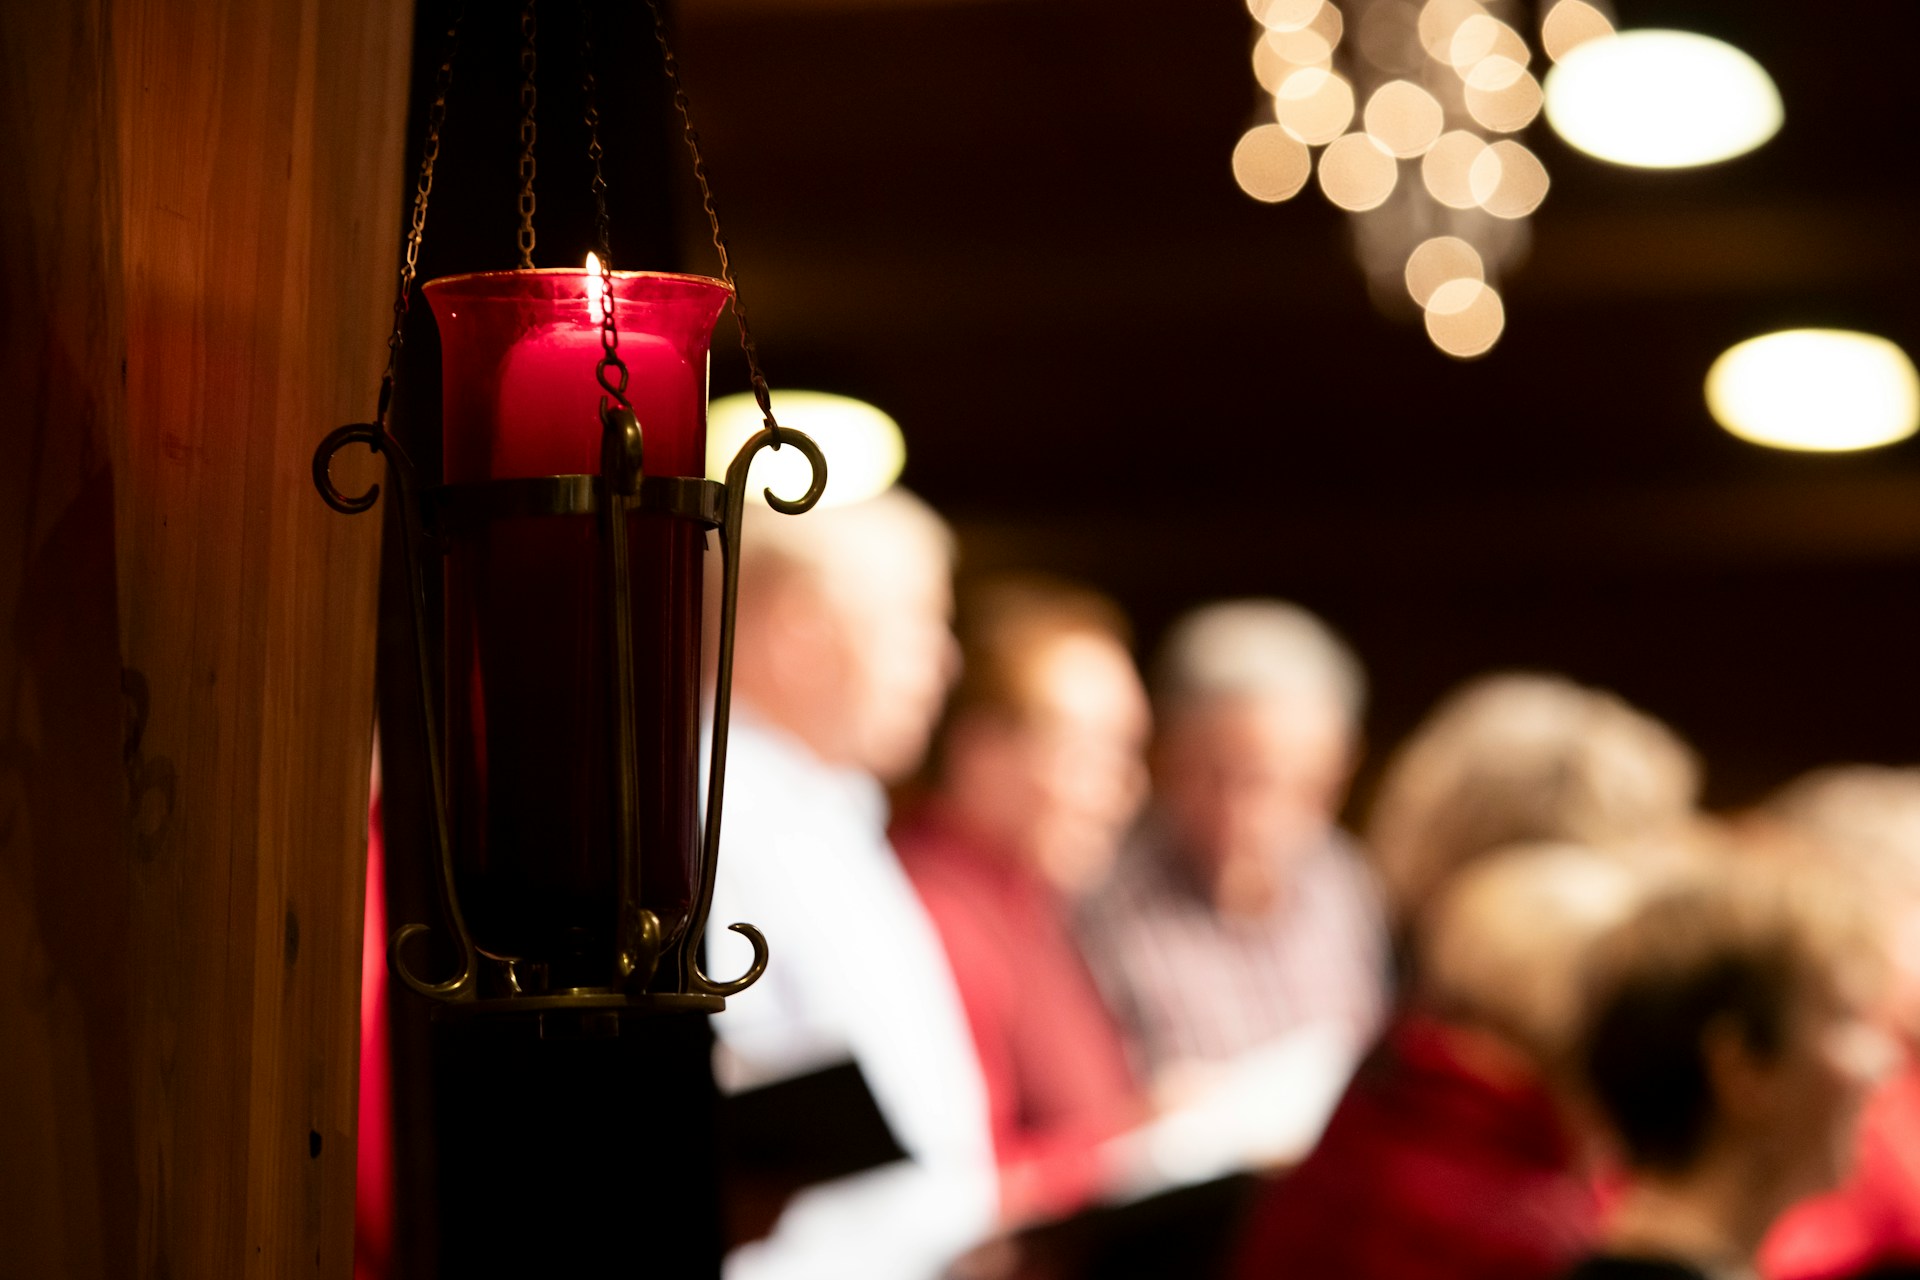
x=1039, y=768
x=1240, y=937
x=1727, y=1045
x=1452, y=1139
x=1453, y=1143
x=845, y=652
x=1861, y=824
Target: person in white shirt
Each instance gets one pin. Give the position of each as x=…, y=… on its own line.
x=844, y=656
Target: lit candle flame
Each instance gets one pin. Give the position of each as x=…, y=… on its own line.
x=596, y=287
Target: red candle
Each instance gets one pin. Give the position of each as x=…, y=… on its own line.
x=528, y=687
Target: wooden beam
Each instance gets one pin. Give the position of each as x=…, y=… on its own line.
x=197, y=242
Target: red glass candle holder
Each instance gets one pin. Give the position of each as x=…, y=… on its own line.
x=532, y=782
x=571, y=533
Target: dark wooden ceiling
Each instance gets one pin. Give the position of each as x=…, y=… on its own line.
x=1012, y=224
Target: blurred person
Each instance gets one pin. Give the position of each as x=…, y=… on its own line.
x=1863, y=823
x=1240, y=914
x=844, y=656
x=1040, y=768
x=1513, y=758
x=1451, y=1156
x=1726, y=1048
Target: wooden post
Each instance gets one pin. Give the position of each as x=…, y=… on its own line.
x=196, y=244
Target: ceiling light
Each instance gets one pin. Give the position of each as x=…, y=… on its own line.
x=1570, y=24
x=1285, y=15
x=1447, y=168
x=1271, y=164
x=1314, y=106
x=1661, y=99
x=1439, y=260
x=1356, y=174
x=1508, y=180
x=1404, y=118
x=1818, y=389
x=1465, y=318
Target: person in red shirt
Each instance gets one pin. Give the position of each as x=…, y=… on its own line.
x=1864, y=823
x=1038, y=769
x=1450, y=1157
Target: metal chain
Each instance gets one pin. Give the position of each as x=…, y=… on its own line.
x=423, y=189
x=529, y=99
x=588, y=89
x=616, y=388
x=672, y=66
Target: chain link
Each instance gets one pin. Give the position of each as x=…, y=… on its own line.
x=610, y=361
x=671, y=64
x=611, y=372
x=529, y=99
x=589, y=88
x=416, y=230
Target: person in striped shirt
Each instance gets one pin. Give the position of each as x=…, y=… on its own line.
x=1241, y=924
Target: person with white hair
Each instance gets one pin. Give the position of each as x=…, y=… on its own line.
x=1241, y=915
x=1524, y=756
x=844, y=654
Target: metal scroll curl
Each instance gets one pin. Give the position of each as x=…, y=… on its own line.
x=463, y=984
x=460, y=986
x=366, y=433
x=703, y=503
x=775, y=437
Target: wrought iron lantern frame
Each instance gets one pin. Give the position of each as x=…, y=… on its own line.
x=650, y=974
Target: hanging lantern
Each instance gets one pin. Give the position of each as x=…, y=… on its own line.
x=570, y=530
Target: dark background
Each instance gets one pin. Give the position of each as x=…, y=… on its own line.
x=1012, y=224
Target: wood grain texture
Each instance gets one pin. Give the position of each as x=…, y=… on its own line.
x=195, y=256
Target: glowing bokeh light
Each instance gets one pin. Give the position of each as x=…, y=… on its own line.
x=1285, y=15
x=1662, y=100
x=1502, y=95
x=1330, y=22
x=1271, y=164
x=1404, y=118
x=1440, y=19
x=1356, y=174
x=1465, y=318
x=1303, y=48
x=1825, y=390
x=1447, y=168
x=1507, y=180
x=865, y=450
x=1313, y=105
x=1484, y=36
x=1440, y=260
x=1570, y=24
x=1271, y=68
